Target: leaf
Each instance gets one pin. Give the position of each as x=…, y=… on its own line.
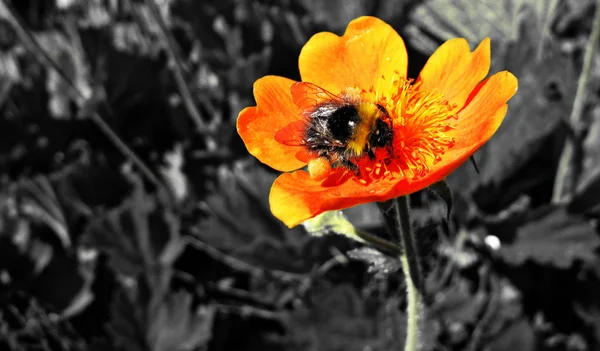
x=38, y=202
x=533, y=124
x=238, y=221
x=331, y=222
x=519, y=335
x=337, y=320
x=445, y=19
x=379, y=264
x=546, y=91
x=175, y=326
x=66, y=199
x=553, y=237
x=10, y=74
x=149, y=319
x=443, y=190
x=26, y=324
x=336, y=14
x=139, y=234
x=29, y=262
x=65, y=49
x=459, y=305
x=52, y=210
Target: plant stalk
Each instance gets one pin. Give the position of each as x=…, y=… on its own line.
x=411, y=266
x=569, y=165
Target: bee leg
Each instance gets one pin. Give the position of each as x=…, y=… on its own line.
x=391, y=151
x=371, y=154
x=350, y=165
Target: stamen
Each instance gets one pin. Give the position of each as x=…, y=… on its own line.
x=422, y=125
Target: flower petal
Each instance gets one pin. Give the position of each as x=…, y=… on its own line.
x=257, y=125
x=480, y=118
x=454, y=70
x=368, y=50
x=478, y=121
x=295, y=197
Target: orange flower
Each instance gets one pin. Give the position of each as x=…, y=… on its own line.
x=437, y=121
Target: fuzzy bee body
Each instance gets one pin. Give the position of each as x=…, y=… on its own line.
x=339, y=128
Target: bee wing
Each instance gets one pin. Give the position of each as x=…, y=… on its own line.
x=293, y=134
x=308, y=97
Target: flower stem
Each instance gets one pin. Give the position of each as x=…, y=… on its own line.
x=412, y=271
x=569, y=165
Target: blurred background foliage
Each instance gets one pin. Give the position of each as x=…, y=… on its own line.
x=133, y=218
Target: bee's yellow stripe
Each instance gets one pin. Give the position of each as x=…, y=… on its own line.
x=368, y=113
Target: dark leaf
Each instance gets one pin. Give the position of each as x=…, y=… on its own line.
x=239, y=222
x=147, y=318
x=521, y=152
x=553, y=237
x=458, y=305
x=338, y=320
x=139, y=234
x=442, y=189
x=519, y=335
x=70, y=58
x=30, y=260
x=379, y=264
x=66, y=199
x=38, y=202
x=500, y=20
x=335, y=15
x=26, y=324
x=176, y=326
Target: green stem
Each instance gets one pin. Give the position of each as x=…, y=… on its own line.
x=412, y=271
x=569, y=164
x=413, y=310
x=382, y=245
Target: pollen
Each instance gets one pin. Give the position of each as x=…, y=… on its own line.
x=319, y=168
x=423, y=127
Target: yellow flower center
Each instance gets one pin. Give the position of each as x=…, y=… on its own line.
x=422, y=132
x=421, y=124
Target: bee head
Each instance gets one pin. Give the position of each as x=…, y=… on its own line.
x=382, y=133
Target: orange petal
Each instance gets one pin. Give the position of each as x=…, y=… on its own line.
x=295, y=197
x=454, y=70
x=368, y=50
x=257, y=125
x=477, y=122
x=479, y=119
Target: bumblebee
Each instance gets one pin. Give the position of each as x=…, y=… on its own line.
x=339, y=128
